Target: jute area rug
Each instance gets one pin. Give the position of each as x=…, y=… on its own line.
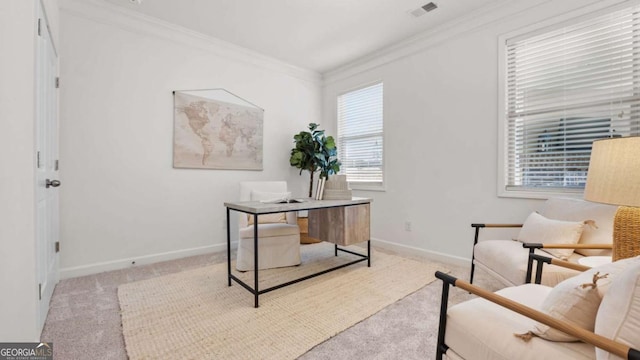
x=195, y=315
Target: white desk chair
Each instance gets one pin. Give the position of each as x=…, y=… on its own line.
x=278, y=234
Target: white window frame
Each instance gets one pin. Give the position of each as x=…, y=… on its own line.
x=360, y=185
x=572, y=17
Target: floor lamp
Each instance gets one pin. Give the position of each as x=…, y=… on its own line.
x=614, y=178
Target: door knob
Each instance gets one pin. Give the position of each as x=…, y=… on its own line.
x=52, y=183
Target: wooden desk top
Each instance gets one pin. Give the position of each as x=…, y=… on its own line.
x=256, y=207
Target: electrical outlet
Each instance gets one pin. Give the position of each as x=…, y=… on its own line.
x=407, y=226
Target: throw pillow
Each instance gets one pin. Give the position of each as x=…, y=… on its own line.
x=269, y=196
x=578, y=210
x=539, y=229
x=619, y=314
x=573, y=301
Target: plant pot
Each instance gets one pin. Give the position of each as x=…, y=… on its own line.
x=303, y=223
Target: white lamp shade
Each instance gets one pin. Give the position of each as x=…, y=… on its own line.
x=614, y=172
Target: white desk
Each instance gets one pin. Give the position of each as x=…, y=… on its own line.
x=256, y=208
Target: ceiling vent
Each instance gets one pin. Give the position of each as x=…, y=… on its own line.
x=423, y=9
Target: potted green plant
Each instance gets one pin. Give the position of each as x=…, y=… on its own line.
x=313, y=152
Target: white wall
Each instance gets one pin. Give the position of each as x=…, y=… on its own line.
x=440, y=118
x=17, y=260
x=121, y=199
x=17, y=187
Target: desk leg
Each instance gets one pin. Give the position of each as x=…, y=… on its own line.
x=336, y=249
x=368, y=253
x=228, y=250
x=255, y=258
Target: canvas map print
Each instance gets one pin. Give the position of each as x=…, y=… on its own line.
x=214, y=134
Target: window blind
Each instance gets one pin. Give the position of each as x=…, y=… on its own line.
x=360, y=135
x=566, y=88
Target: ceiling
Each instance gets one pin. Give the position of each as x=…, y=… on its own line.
x=319, y=35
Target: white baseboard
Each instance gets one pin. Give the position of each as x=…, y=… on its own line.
x=95, y=268
x=427, y=254
x=89, y=269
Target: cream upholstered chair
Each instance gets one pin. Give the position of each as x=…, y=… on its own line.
x=507, y=260
x=605, y=320
x=278, y=234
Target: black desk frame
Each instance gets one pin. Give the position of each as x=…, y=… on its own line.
x=255, y=290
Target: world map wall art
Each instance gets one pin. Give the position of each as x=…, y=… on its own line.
x=215, y=129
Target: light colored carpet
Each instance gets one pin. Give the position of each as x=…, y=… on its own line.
x=195, y=315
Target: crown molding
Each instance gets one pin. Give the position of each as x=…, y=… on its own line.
x=110, y=14
x=496, y=11
x=471, y=22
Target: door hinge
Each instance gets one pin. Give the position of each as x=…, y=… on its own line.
x=57, y=82
x=39, y=27
x=57, y=165
x=38, y=160
x=57, y=246
x=40, y=291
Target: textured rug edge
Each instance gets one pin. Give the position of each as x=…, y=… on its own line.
x=446, y=271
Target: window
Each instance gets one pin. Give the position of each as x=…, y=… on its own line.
x=360, y=137
x=564, y=88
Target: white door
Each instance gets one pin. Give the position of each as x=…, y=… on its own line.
x=47, y=182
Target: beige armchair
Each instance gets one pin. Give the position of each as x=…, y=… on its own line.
x=494, y=325
x=278, y=234
x=506, y=260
